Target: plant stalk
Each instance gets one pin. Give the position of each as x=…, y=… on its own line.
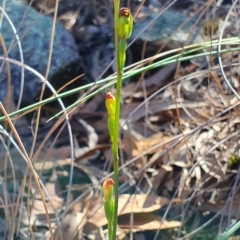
x=116, y=123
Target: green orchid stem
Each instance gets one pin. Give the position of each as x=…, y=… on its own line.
x=110, y=230
x=122, y=53
x=108, y=208
x=116, y=124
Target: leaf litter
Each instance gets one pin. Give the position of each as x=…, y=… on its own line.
x=180, y=141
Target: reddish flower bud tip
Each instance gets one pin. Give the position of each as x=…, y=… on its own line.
x=124, y=12
x=108, y=183
x=125, y=23
x=109, y=95
x=108, y=186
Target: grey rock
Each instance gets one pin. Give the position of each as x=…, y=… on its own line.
x=168, y=25
x=34, y=31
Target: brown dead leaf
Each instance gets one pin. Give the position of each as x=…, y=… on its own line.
x=133, y=147
x=139, y=203
x=53, y=206
x=157, y=80
x=145, y=222
x=139, y=130
x=157, y=106
x=71, y=227
x=129, y=146
x=150, y=142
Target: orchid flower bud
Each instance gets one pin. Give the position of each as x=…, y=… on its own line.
x=110, y=103
x=108, y=186
x=125, y=23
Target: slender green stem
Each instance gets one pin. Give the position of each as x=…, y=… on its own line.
x=110, y=230
x=230, y=231
x=122, y=53
x=116, y=124
x=116, y=157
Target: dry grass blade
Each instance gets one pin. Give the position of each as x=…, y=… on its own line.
x=38, y=181
x=179, y=136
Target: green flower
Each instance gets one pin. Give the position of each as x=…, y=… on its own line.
x=125, y=23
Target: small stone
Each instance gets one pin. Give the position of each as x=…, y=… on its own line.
x=34, y=30
x=164, y=26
